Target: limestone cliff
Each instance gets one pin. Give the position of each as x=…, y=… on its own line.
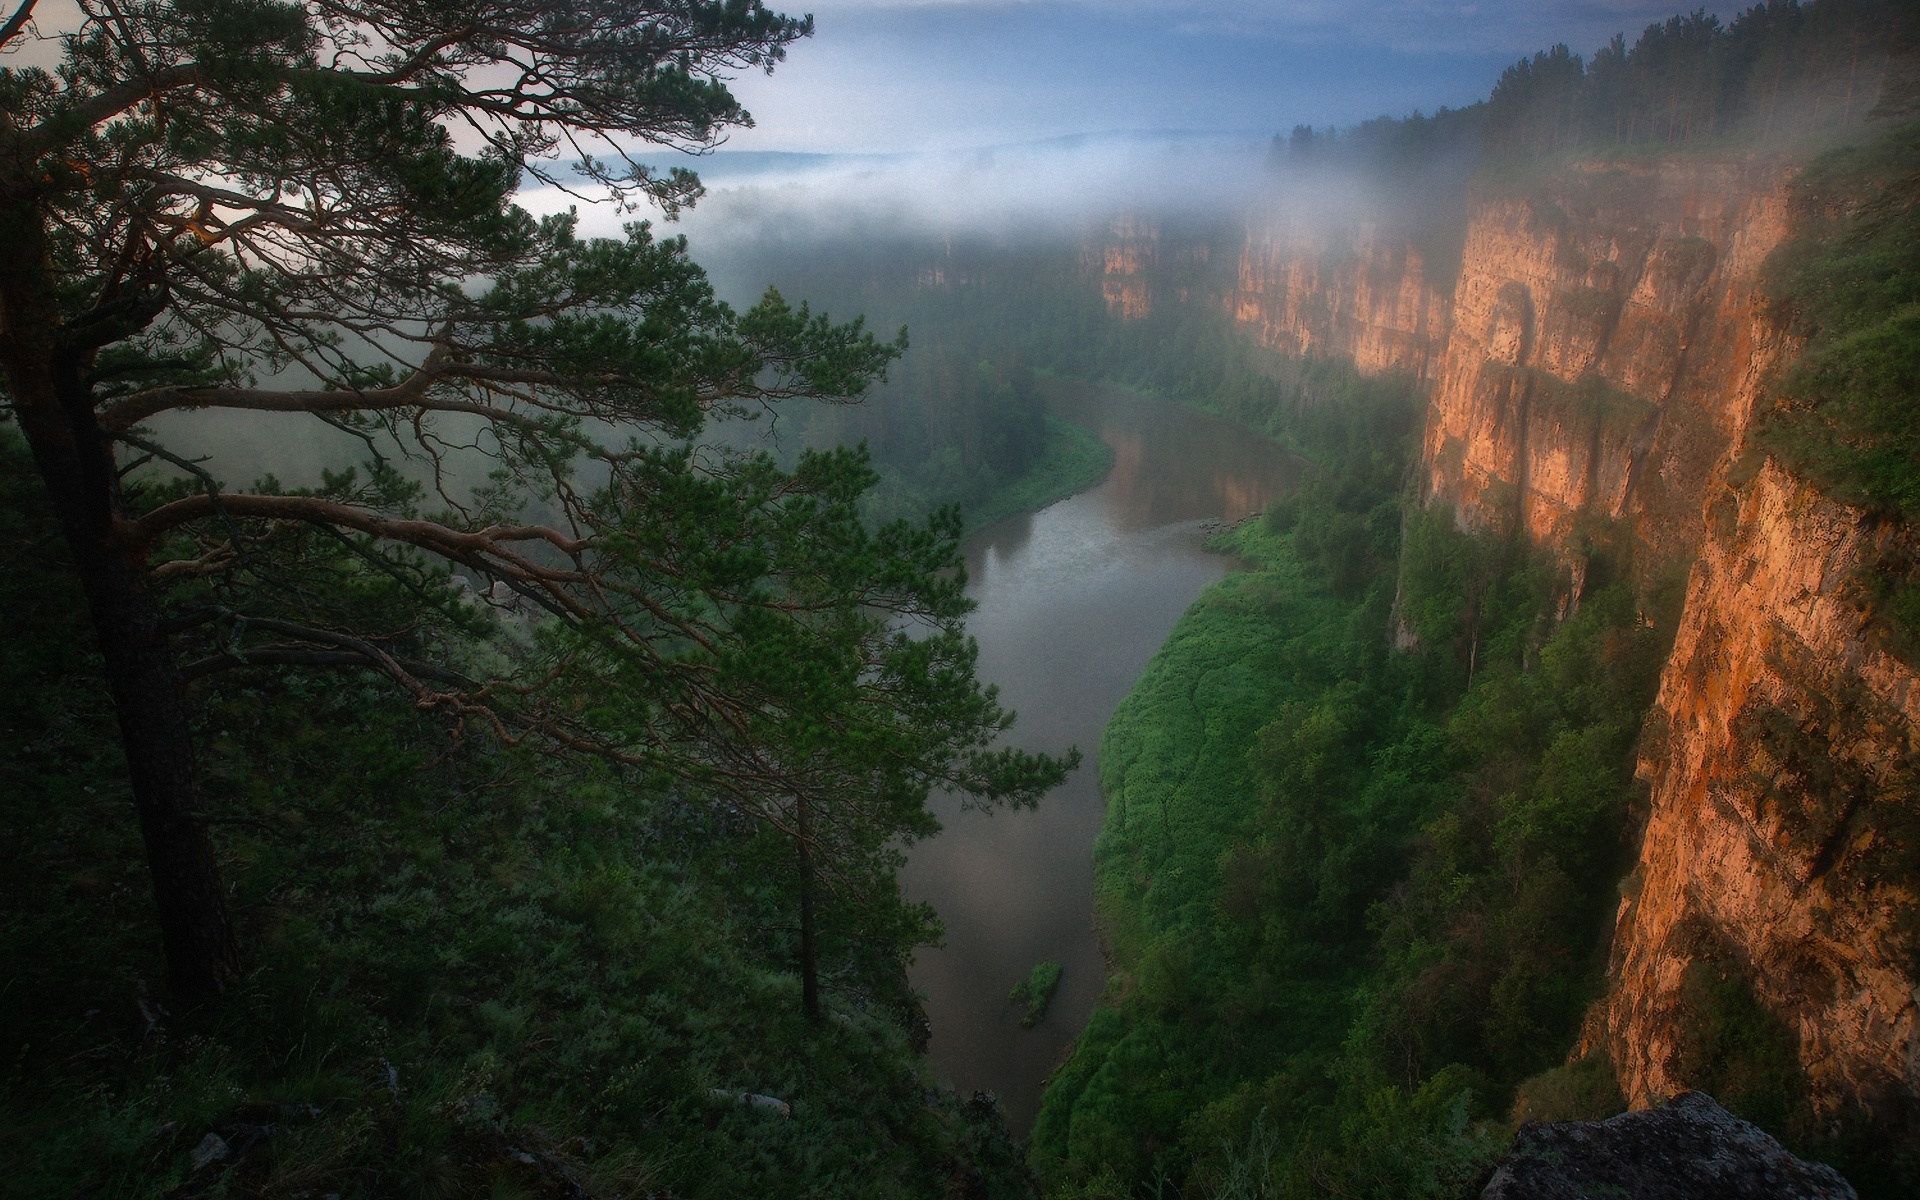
x=1606, y=348
x=1781, y=751
x=1370, y=300
x=1142, y=266
x=1601, y=353
x=1125, y=262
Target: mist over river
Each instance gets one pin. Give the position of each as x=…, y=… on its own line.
x=1073, y=601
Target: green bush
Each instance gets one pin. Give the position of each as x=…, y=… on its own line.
x=1849, y=284
x=1034, y=993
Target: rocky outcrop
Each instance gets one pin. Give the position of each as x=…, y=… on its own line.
x=1785, y=823
x=1607, y=346
x=1688, y=1149
x=1599, y=352
x=1126, y=260
x=1141, y=267
x=1363, y=295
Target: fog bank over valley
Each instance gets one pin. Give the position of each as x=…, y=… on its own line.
x=1060, y=188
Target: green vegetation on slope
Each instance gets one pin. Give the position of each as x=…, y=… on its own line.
x=958, y=419
x=1072, y=459
x=472, y=972
x=1355, y=896
x=1842, y=414
x=1849, y=283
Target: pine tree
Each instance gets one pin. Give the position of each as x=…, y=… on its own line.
x=306, y=209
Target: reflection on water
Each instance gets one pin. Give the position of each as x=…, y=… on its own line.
x=1072, y=603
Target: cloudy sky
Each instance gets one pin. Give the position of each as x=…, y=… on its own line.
x=880, y=75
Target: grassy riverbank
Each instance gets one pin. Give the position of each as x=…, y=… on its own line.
x=1074, y=460
x=1071, y=458
x=1355, y=897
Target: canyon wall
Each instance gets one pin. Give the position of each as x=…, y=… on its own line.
x=1600, y=356
x=1139, y=268
x=1598, y=353
x=1125, y=261
x=1607, y=346
x=1366, y=297
x=1782, y=754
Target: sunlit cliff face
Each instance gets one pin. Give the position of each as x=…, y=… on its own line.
x=1601, y=353
x=1606, y=348
x=1781, y=758
x=1374, y=305
x=1600, y=348
x=1126, y=256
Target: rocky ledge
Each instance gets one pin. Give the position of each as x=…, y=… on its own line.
x=1688, y=1149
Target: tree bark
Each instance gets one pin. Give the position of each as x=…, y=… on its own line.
x=54, y=405
x=809, y=955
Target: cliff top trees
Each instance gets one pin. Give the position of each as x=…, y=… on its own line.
x=305, y=209
x=1778, y=71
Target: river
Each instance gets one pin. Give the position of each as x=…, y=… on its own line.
x=1073, y=601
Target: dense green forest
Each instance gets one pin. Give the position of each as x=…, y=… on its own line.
x=1850, y=285
x=515, y=810
x=958, y=420
x=474, y=969
x=986, y=311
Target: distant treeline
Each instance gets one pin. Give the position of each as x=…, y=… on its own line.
x=1777, y=71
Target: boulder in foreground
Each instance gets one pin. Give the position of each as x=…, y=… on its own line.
x=1688, y=1149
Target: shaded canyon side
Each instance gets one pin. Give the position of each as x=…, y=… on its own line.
x=1597, y=363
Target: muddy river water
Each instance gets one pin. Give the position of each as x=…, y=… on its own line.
x=1073, y=601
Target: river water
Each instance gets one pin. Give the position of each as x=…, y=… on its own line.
x=1073, y=601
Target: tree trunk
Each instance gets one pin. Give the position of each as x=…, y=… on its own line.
x=809, y=954
x=54, y=406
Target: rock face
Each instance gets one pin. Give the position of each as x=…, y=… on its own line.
x=1601, y=354
x=1127, y=258
x=1370, y=300
x=1782, y=754
x=1606, y=350
x=1688, y=1149
x=1141, y=267
x=1600, y=350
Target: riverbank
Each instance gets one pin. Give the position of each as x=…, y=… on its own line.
x=1074, y=460
x=1072, y=602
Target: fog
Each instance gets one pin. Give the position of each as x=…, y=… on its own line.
x=1057, y=188
x=760, y=206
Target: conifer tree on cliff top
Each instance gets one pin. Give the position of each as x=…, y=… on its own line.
x=305, y=209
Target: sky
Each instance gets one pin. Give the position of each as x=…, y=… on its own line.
x=882, y=76
x=986, y=112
